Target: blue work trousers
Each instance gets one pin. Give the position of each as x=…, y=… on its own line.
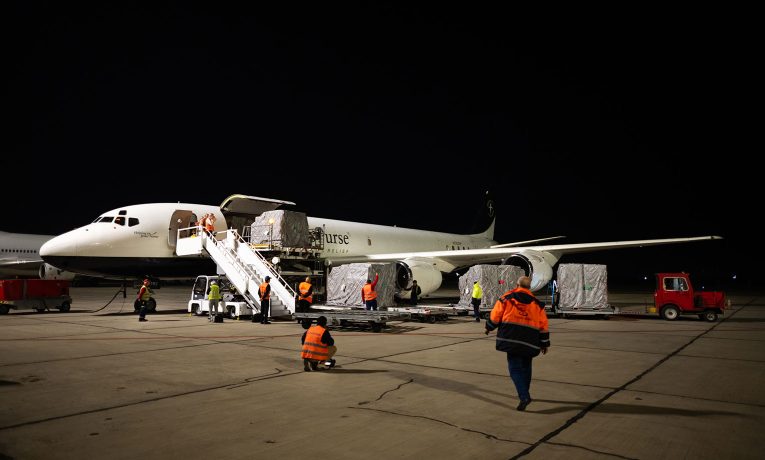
x=519, y=368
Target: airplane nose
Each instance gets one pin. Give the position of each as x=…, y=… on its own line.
x=60, y=246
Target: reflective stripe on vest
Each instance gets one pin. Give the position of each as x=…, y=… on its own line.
x=304, y=287
x=369, y=293
x=312, y=346
x=263, y=290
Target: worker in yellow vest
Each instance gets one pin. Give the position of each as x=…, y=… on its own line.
x=144, y=294
x=305, y=297
x=265, y=301
x=213, y=298
x=475, y=300
x=318, y=346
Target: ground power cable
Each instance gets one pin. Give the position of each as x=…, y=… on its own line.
x=122, y=290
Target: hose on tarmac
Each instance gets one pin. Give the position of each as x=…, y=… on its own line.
x=122, y=290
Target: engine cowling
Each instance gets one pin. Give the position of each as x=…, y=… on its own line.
x=49, y=272
x=428, y=277
x=537, y=265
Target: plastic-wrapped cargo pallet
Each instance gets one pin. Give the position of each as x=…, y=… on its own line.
x=582, y=287
x=288, y=230
x=488, y=276
x=344, y=284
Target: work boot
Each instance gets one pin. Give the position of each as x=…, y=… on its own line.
x=142, y=319
x=523, y=404
x=330, y=364
x=306, y=365
x=314, y=365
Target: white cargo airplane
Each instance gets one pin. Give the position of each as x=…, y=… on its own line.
x=20, y=256
x=133, y=241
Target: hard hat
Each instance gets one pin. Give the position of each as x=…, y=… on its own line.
x=268, y=278
x=213, y=282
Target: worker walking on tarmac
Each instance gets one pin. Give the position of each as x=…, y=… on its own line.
x=475, y=300
x=305, y=298
x=213, y=297
x=523, y=332
x=265, y=301
x=318, y=346
x=369, y=295
x=144, y=294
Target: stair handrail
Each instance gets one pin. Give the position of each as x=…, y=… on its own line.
x=273, y=274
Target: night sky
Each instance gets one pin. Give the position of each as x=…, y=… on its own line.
x=595, y=124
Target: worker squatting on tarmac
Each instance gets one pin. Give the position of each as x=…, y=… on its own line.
x=318, y=346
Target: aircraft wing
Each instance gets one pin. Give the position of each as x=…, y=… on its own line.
x=447, y=261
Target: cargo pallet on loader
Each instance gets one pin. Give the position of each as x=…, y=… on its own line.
x=345, y=318
x=426, y=314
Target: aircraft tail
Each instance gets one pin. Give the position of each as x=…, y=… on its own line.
x=485, y=217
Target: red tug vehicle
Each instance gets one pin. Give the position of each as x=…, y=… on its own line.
x=674, y=296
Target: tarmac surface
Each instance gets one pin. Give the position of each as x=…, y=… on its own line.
x=98, y=384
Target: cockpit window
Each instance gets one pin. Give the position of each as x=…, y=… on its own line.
x=122, y=213
x=106, y=219
x=132, y=221
x=119, y=220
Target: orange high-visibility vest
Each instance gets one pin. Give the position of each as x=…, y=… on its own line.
x=368, y=292
x=304, y=287
x=312, y=346
x=263, y=295
x=522, y=322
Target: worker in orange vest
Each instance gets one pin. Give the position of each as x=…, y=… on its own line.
x=305, y=297
x=523, y=333
x=209, y=224
x=265, y=301
x=318, y=346
x=369, y=295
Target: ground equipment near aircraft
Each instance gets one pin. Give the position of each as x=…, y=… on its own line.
x=675, y=296
x=581, y=289
x=35, y=294
x=232, y=304
x=348, y=317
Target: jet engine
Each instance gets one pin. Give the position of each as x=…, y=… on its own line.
x=428, y=277
x=49, y=272
x=537, y=265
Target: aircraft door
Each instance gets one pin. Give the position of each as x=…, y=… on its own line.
x=180, y=219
